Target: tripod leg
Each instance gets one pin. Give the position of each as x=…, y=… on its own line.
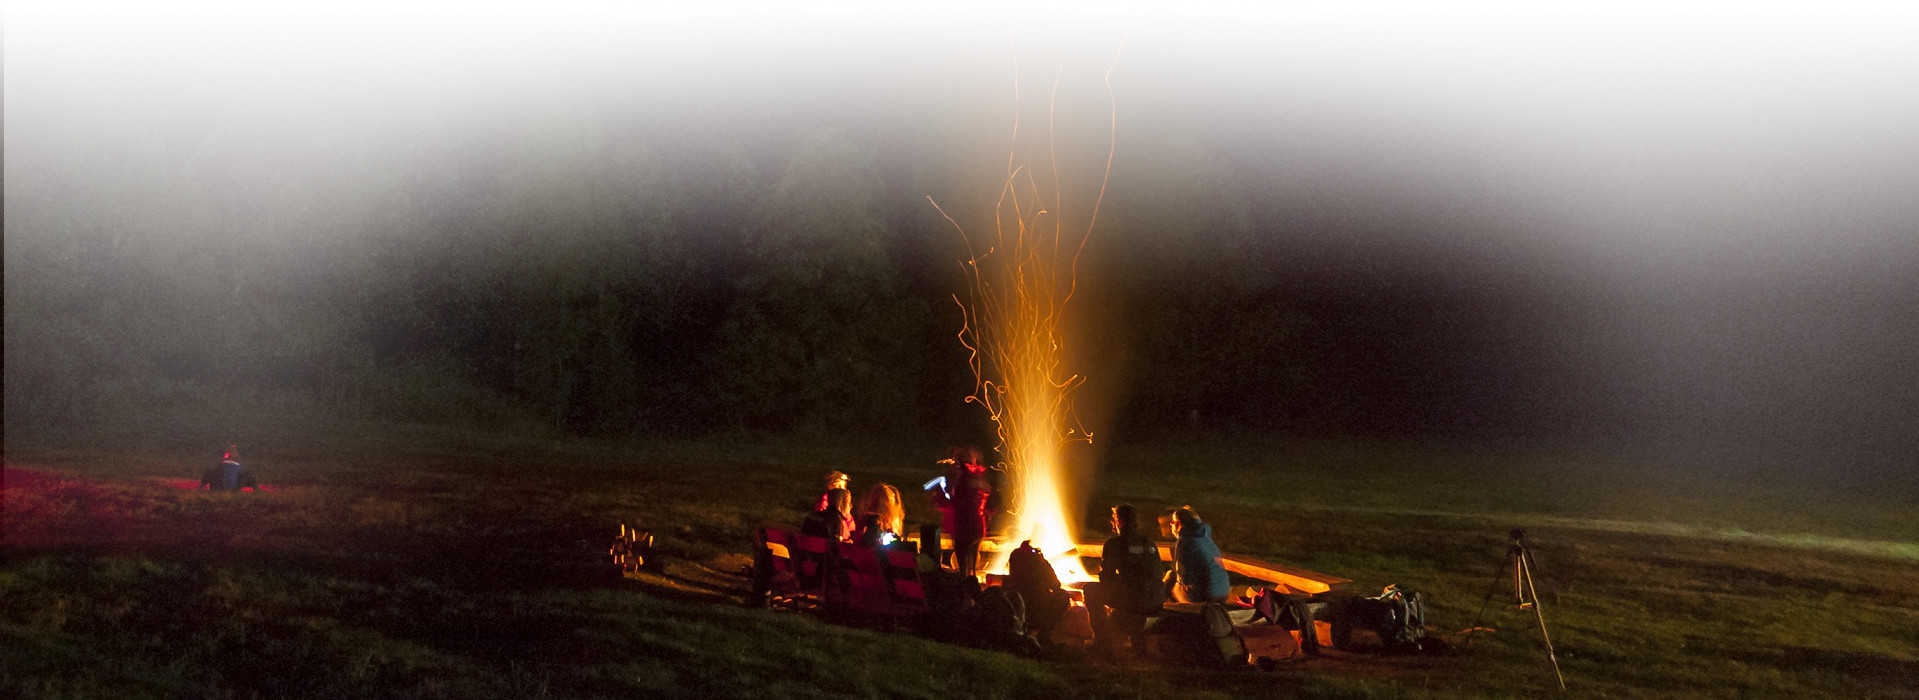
x=1519, y=591
x=1540, y=612
x=1481, y=615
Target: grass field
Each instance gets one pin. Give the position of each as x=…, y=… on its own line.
x=416, y=562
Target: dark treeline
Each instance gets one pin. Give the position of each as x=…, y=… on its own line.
x=557, y=272
x=569, y=267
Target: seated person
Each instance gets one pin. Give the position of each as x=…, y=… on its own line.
x=228, y=475
x=1029, y=574
x=884, y=501
x=872, y=533
x=835, y=521
x=1198, y=576
x=1129, y=587
x=834, y=480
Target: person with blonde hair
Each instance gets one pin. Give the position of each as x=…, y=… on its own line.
x=884, y=501
x=835, y=521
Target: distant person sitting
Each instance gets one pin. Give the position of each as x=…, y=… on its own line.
x=229, y=475
x=834, y=480
x=1130, y=584
x=1029, y=574
x=835, y=521
x=1198, y=576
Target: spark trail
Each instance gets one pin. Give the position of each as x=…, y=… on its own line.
x=1020, y=288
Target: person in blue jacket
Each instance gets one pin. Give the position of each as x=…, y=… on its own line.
x=1197, y=576
x=229, y=475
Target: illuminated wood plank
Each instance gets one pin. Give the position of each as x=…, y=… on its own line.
x=1293, y=578
x=1301, y=580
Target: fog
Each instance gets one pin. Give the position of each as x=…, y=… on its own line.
x=1635, y=223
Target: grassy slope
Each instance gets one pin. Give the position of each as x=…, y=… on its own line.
x=422, y=563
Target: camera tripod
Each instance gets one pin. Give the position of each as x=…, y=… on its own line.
x=1519, y=564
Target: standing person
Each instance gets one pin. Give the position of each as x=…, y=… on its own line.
x=962, y=501
x=834, y=480
x=229, y=475
x=1199, y=577
x=1129, y=585
x=884, y=501
x=835, y=521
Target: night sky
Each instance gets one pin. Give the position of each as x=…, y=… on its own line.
x=1657, y=227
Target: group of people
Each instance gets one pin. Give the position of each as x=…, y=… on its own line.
x=1133, y=583
x=881, y=515
x=963, y=495
x=1011, y=617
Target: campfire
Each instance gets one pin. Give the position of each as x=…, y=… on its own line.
x=1021, y=285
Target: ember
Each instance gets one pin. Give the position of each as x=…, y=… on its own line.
x=1021, y=286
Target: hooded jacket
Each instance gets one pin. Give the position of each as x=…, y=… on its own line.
x=1198, y=561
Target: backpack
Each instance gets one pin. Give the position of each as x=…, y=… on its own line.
x=1206, y=640
x=1397, y=615
x=1405, y=622
x=1001, y=620
x=1228, y=645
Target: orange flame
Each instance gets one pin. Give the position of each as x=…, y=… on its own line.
x=1010, y=326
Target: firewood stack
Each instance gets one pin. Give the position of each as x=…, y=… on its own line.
x=631, y=548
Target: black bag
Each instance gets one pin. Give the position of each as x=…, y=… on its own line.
x=1001, y=622
x=1405, y=623
x=1397, y=615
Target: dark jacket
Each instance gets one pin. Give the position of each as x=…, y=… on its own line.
x=1028, y=572
x=1130, y=562
x=830, y=524
x=1198, y=561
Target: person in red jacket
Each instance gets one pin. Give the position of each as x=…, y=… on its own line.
x=961, y=495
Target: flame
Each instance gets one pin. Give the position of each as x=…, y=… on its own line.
x=1020, y=288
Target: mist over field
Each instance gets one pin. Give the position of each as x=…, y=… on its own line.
x=1657, y=229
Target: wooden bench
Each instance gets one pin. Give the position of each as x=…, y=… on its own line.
x=1289, y=578
x=784, y=584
